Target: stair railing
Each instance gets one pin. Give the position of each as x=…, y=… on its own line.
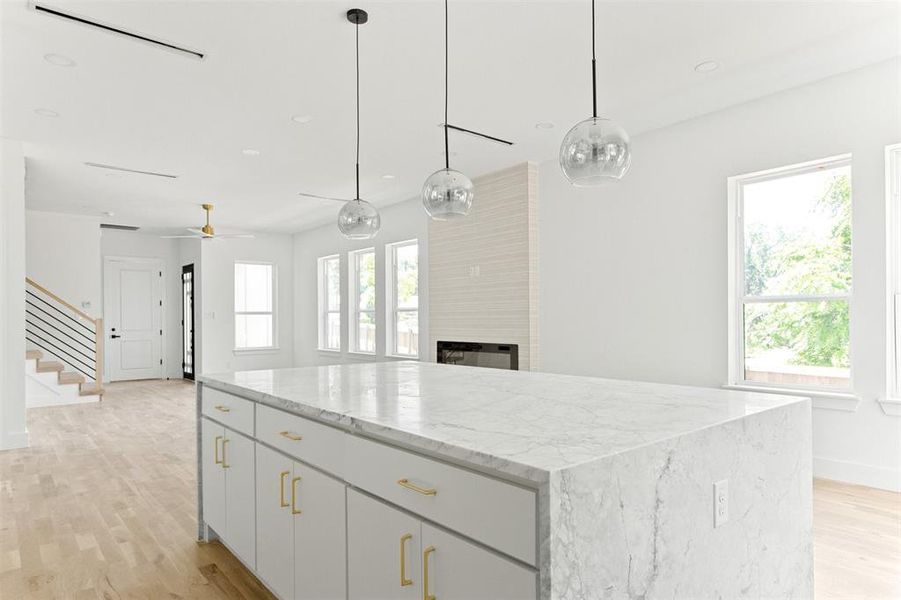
x=64, y=331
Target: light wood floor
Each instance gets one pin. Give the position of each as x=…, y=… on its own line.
x=102, y=505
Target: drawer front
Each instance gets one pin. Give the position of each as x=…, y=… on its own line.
x=230, y=410
x=316, y=444
x=496, y=513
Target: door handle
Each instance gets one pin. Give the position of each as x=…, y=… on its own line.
x=294, y=509
x=403, y=560
x=426, y=594
x=225, y=465
x=115, y=337
x=281, y=488
x=216, y=451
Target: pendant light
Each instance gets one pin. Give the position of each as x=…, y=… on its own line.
x=447, y=193
x=358, y=219
x=597, y=150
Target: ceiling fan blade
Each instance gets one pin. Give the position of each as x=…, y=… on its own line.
x=323, y=197
x=198, y=232
x=481, y=135
x=178, y=237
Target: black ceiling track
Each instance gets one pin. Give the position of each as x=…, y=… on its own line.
x=136, y=36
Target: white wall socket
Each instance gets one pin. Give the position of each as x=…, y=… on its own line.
x=720, y=502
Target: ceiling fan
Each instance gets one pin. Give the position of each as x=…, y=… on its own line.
x=207, y=232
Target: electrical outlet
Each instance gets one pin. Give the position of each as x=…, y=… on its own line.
x=720, y=502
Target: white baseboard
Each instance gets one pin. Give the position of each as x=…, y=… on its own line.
x=860, y=474
x=14, y=439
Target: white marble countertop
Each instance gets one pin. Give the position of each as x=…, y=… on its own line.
x=522, y=424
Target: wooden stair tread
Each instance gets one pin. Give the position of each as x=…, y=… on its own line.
x=70, y=377
x=33, y=355
x=49, y=366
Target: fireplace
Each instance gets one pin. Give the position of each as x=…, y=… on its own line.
x=479, y=354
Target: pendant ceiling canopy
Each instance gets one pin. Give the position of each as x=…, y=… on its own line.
x=596, y=150
x=358, y=219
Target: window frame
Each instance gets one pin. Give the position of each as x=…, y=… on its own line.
x=893, y=272
x=391, y=297
x=273, y=284
x=323, y=307
x=738, y=299
x=353, y=301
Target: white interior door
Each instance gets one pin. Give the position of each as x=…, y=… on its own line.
x=133, y=294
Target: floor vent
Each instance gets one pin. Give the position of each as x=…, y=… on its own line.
x=56, y=12
x=127, y=170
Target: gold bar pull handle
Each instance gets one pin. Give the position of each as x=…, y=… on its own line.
x=225, y=465
x=216, y=449
x=221, y=408
x=294, y=509
x=291, y=436
x=403, y=560
x=281, y=489
x=426, y=594
x=419, y=490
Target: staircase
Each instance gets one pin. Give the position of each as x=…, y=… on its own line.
x=64, y=356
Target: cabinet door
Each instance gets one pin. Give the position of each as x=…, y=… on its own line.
x=459, y=570
x=213, y=475
x=320, y=542
x=275, y=533
x=240, y=516
x=378, y=537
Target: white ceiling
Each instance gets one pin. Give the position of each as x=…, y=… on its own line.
x=513, y=64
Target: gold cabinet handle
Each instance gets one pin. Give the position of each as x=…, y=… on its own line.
x=294, y=509
x=291, y=436
x=225, y=465
x=426, y=595
x=216, y=449
x=420, y=490
x=221, y=408
x=281, y=489
x=403, y=560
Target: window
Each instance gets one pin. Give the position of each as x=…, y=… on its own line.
x=893, y=243
x=362, y=294
x=791, y=277
x=254, y=316
x=329, y=303
x=403, y=298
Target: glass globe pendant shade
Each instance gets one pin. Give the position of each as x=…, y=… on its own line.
x=594, y=152
x=447, y=194
x=359, y=220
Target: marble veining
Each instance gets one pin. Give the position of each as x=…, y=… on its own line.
x=521, y=424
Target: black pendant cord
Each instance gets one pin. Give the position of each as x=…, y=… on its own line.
x=357, y=33
x=446, y=92
x=594, y=76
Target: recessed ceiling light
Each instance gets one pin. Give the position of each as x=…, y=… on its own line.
x=544, y=125
x=250, y=152
x=46, y=112
x=59, y=60
x=301, y=118
x=387, y=176
x=707, y=66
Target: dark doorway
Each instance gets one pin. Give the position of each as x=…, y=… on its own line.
x=187, y=320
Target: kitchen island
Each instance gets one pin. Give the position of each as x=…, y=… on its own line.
x=417, y=480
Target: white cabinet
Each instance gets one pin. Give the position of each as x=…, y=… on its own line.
x=383, y=551
x=275, y=531
x=301, y=531
x=435, y=563
x=228, y=483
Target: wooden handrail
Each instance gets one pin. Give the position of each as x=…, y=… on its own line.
x=80, y=313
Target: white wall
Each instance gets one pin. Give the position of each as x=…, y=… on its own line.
x=634, y=275
x=217, y=302
x=13, y=431
x=62, y=253
x=132, y=244
x=402, y=221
